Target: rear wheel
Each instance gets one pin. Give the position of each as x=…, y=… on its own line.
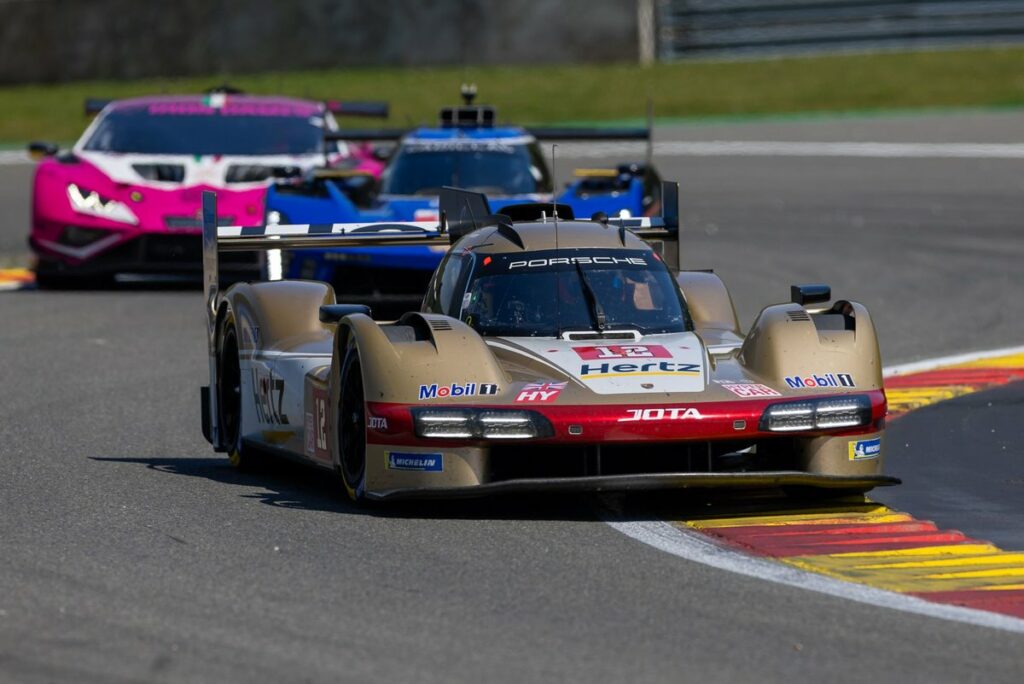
x=351, y=426
x=229, y=399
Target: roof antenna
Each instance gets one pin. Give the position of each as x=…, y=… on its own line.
x=554, y=200
x=554, y=213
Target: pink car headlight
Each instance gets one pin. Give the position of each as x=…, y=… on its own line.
x=91, y=203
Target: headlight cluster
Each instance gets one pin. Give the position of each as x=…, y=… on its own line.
x=90, y=202
x=473, y=423
x=817, y=414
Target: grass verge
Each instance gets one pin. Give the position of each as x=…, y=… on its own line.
x=990, y=77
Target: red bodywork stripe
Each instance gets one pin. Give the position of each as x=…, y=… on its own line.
x=607, y=423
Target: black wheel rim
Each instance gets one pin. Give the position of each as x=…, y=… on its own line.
x=351, y=427
x=230, y=398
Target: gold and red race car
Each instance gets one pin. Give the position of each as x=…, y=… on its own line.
x=549, y=353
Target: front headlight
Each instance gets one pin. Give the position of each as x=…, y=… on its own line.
x=90, y=202
x=473, y=423
x=827, y=413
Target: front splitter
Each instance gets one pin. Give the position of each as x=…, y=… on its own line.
x=652, y=481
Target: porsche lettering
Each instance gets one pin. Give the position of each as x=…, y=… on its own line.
x=583, y=261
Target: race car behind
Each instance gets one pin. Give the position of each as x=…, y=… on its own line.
x=467, y=148
x=126, y=197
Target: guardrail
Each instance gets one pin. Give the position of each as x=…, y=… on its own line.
x=697, y=28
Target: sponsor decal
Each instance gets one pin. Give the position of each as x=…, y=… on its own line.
x=319, y=431
x=377, y=422
x=458, y=145
x=268, y=396
x=864, y=449
x=540, y=391
x=653, y=368
x=750, y=390
x=826, y=380
x=424, y=463
x=659, y=414
x=582, y=260
x=623, y=351
x=455, y=389
x=310, y=449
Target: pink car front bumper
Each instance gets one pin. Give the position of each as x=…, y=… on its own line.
x=158, y=233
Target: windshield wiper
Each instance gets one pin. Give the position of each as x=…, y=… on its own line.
x=596, y=311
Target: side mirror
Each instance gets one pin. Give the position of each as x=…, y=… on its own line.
x=40, y=150
x=810, y=294
x=383, y=152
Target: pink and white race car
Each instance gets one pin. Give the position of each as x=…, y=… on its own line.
x=126, y=198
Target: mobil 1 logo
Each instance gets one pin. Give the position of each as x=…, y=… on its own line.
x=824, y=381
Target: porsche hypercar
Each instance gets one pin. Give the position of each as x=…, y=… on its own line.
x=549, y=353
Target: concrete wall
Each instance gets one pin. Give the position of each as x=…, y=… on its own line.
x=58, y=40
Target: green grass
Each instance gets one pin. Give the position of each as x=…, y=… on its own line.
x=953, y=78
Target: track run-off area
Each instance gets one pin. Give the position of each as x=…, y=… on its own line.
x=132, y=552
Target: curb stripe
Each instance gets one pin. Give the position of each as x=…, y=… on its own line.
x=16, y=278
x=864, y=551
x=929, y=384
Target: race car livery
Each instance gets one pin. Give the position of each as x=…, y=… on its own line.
x=547, y=354
x=126, y=197
x=466, y=149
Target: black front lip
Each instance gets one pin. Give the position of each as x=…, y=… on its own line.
x=152, y=253
x=653, y=481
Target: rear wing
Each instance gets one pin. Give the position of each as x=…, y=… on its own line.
x=372, y=109
x=378, y=110
x=95, y=105
x=365, y=134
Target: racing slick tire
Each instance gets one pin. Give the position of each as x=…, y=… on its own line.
x=229, y=398
x=350, y=426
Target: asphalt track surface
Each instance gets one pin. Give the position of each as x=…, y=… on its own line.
x=131, y=552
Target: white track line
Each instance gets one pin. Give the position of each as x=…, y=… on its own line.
x=776, y=148
x=700, y=548
x=754, y=148
x=931, y=364
x=10, y=157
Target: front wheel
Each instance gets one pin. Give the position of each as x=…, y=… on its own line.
x=350, y=426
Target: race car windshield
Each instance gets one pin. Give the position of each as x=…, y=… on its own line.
x=490, y=167
x=546, y=293
x=188, y=130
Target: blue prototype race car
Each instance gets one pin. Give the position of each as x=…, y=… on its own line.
x=466, y=150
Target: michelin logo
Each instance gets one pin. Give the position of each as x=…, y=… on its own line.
x=865, y=449
x=424, y=463
x=826, y=380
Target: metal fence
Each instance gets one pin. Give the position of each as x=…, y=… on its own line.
x=697, y=28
